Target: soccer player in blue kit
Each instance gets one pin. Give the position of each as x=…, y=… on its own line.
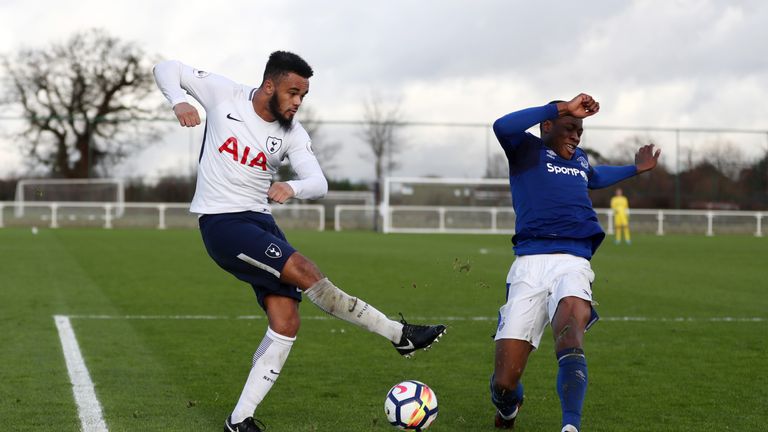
x=248, y=132
x=556, y=234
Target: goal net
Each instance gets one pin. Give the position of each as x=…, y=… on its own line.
x=457, y=205
x=32, y=192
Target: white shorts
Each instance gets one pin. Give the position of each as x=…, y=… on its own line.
x=535, y=286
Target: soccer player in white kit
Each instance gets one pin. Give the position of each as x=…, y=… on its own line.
x=248, y=132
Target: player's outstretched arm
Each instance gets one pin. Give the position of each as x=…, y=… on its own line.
x=604, y=176
x=646, y=159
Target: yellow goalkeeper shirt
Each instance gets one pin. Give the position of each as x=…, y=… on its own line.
x=620, y=205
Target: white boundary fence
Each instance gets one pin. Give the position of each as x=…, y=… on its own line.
x=658, y=221
x=493, y=220
x=710, y=215
x=158, y=215
x=431, y=219
x=22, y=198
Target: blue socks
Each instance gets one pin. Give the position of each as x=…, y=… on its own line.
x=507, y=401
x=572, y=384
x=571, y=387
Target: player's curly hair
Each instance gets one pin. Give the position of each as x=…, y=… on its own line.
x=284, y=62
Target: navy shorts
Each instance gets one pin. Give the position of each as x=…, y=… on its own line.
x=252, y=247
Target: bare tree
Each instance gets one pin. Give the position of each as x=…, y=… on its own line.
x=380, y=131
x=81, y=99
x=623, y=152
x=497, y=166
x=726, y=156
x=324, y=149
x=381, y=123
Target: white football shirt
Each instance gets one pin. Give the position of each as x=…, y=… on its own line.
x=241, y=151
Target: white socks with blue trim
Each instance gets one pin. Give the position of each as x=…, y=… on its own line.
x=268, y=361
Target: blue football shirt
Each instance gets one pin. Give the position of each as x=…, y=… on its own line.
x=553, y=211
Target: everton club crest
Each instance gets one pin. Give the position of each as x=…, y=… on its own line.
x=583, y=161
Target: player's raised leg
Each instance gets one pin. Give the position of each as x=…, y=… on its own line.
x=407, y=338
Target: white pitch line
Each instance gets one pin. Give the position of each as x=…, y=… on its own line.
x=151, y=317
x=444, y=318
x=88, y=406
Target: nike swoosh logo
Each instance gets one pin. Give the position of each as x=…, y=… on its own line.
x=273, y=372
x=409, y=346
x=229, y=116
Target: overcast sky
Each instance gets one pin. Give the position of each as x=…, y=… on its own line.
x=675, y=63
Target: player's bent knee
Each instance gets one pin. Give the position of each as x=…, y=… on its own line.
x=568, y=337
x=301, y=271
x=287, y=326
x=570, y=322
x=283, y=315
x=503, y=380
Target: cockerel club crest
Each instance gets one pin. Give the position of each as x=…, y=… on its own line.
x=274, y=144
x=273, y=251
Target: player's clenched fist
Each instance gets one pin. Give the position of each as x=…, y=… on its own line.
x=187, y=114
x=582, y=106
x=280, y=192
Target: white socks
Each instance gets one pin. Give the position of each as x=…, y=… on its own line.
x=267, y=363
x=351, y=309
x=274, y=348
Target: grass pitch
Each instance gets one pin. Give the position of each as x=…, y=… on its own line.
x=167, y=336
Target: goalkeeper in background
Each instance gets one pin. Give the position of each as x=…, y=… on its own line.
x=620, y=207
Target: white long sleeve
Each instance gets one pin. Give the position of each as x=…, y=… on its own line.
x=168, y=79
x=176, y=80
x=312, y=183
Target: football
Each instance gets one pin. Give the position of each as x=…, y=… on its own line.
x=411, y=405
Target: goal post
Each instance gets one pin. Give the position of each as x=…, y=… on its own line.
x=455, y=205
x=103, y=190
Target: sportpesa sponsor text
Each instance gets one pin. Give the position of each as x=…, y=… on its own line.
x=564, y=170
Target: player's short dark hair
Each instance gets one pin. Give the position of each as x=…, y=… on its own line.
x=284, y=62
x=554, y=102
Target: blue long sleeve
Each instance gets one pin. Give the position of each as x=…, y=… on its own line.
x=604, y=175
x=510, y=129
